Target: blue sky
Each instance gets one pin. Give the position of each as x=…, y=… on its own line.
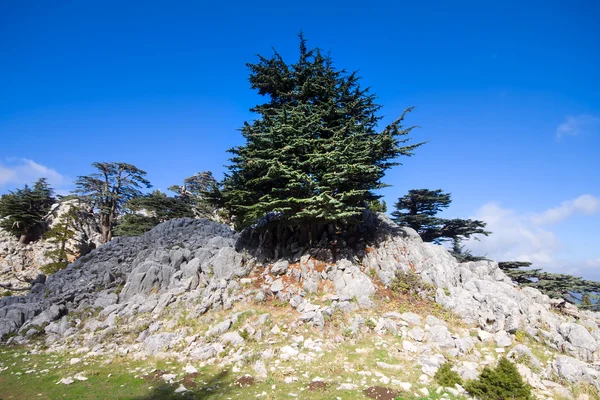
x=506, y=93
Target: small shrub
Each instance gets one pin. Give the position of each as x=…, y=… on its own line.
x=6, y=293
x=446, y=377
x=411, y=284
x=347, y=333
x=280, y=303
x=520, y=336
x=244, y=334
x=53, y=267
x=369, y=323
x=503, y=382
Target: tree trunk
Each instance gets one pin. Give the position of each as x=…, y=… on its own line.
x=105, y=232
x=24, y=238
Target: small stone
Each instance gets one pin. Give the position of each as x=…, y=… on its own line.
x=66, y=381
x=181, y=389
x=80, y=377
x=275, y=330
x=417, y=333
x=347, y=386
x=502, y=339
x=277, y=286
x=189, y=369
x=75, y=361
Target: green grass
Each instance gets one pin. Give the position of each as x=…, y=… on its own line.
x=126, y=380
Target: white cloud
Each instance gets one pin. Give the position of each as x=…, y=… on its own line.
x=15, y=172
x=529, y=237
x=585, y=204
x=578, y=125
x=514, y=237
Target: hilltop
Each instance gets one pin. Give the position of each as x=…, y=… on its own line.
x=193, y=298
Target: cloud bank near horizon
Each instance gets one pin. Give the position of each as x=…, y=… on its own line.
x=530, y=237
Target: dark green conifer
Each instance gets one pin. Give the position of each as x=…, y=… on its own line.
x=60, y=234
x=314, y=154
x=418, y=210
x=22, y=212
x=144, y=213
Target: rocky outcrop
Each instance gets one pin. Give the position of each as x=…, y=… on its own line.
x=20, y=263
x=191, y=257
x=198, y=265
x=482, y=294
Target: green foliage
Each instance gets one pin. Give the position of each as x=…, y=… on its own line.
x=377, y=205
x=60, y=234
x=109, y=189
x=461, y=254
x=201, y=192
x=446, y=377
x=572, y=289
x=370, y=324
x=422, y=206
x=22, y=212
x=145, y=212
x=411, y=284
x=313, y=155
x=501, y=383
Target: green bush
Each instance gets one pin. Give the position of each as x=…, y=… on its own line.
x=503, y=382
x=53, y=267
x=445, y=376
x=411, y=284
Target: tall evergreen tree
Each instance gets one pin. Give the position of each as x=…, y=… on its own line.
x=109, y=189
x=314, y=154
x=22, y=212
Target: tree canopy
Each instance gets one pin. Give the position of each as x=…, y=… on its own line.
x=571, y=288
x=144, y=213
x=314, y=154
x=201, y=192
x=109, y=189
x=22, y=212
x=418, y=210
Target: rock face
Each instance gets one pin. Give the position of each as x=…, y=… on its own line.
x=202, y=265
x=195, y=257
x=25, y=261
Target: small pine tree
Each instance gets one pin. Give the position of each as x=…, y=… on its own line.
x=445, y=376
x=60, y=234
x=501, y=383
